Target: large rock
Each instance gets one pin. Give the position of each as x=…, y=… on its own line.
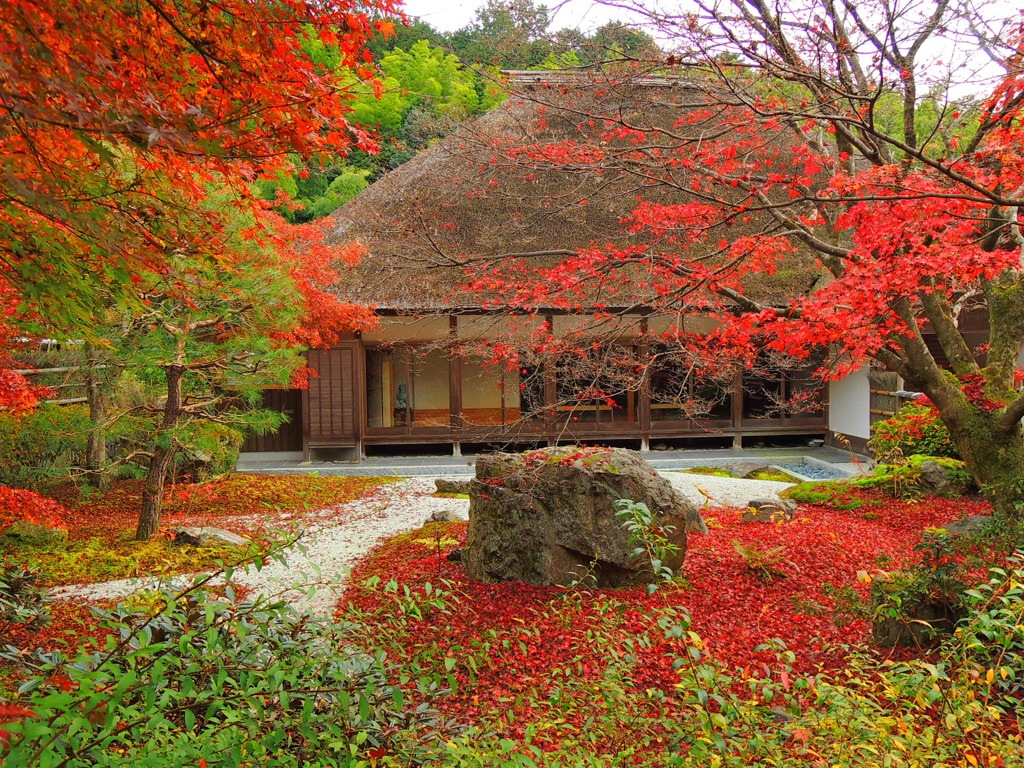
x=944, y=477
x=972, y=525
x=549, y=517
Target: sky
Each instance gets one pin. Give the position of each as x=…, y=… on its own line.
x=587, y=15
x=449, y=15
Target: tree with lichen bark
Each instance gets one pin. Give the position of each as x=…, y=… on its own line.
x=843, y=133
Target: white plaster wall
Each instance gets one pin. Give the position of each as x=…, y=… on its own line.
x=849, y=409
x=409, y=329
x=431, y=386
x=481, y=386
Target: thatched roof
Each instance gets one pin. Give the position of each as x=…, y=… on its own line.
x=465, y=200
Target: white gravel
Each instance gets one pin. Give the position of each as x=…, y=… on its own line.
x=315, y=569
x=336, y=538
x=715, y=491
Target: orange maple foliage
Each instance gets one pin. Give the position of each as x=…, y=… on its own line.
x=123, y=120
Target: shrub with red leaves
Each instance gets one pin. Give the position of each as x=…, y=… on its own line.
x=17, y=504
x=10, y=713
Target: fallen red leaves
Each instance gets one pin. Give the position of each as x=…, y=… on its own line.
x=100, y=526
x=18, y=504
x=237, y=496
x=521, y=637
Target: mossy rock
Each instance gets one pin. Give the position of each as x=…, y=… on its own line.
x=933, y=475
x=907, y=612
x=837, y=494
x=814, y=491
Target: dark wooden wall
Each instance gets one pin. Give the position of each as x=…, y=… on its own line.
x=333, y=396
x=974, y=328
x=288, y=436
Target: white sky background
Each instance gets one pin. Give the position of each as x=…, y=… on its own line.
x=970, y=73
x=450, y=15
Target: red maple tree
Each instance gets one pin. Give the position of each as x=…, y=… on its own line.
x=845, y=140
x=133, y=130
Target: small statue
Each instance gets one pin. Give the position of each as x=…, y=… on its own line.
x=401, y=398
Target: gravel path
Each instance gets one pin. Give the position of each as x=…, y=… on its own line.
x=337, y=537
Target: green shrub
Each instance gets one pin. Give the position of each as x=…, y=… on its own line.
x=991, y=639
x=229, y=683
x=47, y=442
x=22, y=602
x=915, y=430
x=50, y=443
x=209, y=450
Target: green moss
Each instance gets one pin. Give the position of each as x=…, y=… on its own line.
x=96, y=559
x=837, y=494
x=440, y=495
x=812, y=492
x=775, y=475
x=713, y=471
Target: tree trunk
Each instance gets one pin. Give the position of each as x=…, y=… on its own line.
x=96, y=448
x=163, y=453
x=153, y=493
x=994, y=457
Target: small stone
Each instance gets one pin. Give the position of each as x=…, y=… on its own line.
x=455, y=556
x=443, y=516
x=972, y=525
x=782, y=716
x=208, y=537
x=770, y=511
x=452, y=486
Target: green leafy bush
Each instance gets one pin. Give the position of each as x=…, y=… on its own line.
x=46, y=442
x=915, y=430
x=221, y=681
x=991, y=640
x=50, y=443
x=22, y=602
x=209, y=450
